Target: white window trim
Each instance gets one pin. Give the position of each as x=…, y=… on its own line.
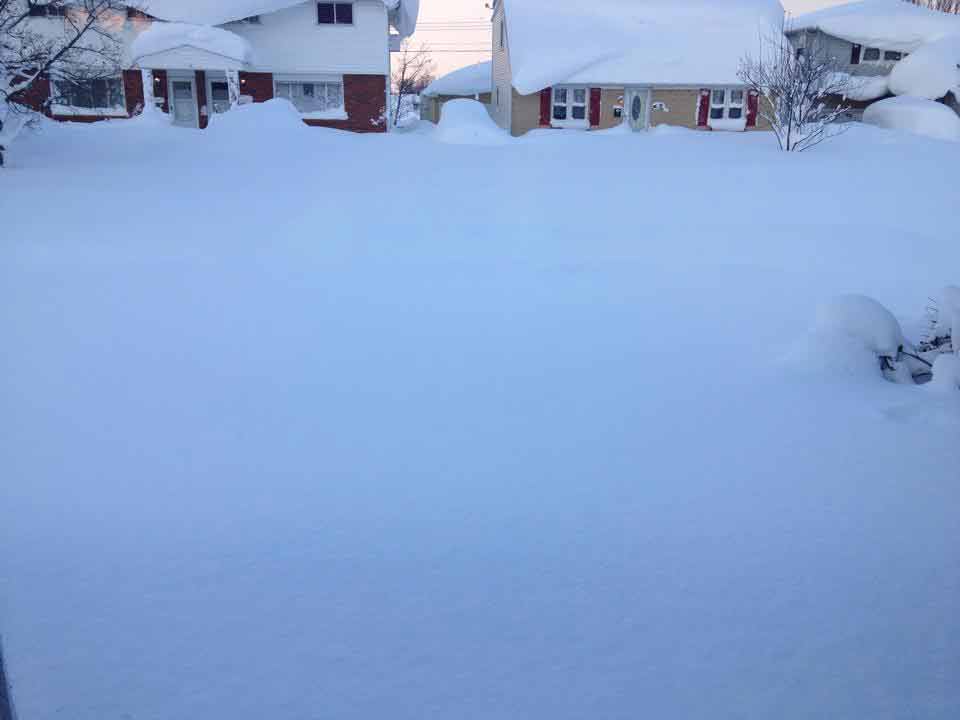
x=727, y=105
x=334, y=24
x=333, y=79
x=570, y=122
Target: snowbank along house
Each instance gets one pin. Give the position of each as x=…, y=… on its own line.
x=570, y=64
x=472, y=82
x=330, y=59
x=889, y=47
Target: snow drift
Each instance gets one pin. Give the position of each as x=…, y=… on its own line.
x=915, y=115
x=931, y=72
x=467, y=122
x=634, y=41
x=887, y=24
x=265, y=121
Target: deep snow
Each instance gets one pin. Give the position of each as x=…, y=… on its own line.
x=528, y=431
x=916, y=115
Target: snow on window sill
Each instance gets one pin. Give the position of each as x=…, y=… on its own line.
x=326, y=115
x=570, y=124
x=88, y=112
x=738, y=125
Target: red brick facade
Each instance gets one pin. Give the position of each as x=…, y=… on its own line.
x=133, y=91
x=365, y=99
x=259, y=86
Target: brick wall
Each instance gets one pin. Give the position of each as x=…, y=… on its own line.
x=133, y=91
x=365, y=98
x=259, y=86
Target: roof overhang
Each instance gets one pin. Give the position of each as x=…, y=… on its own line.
x=188, y=57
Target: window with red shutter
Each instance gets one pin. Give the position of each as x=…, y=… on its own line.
x=703, y=109
x=546, y=98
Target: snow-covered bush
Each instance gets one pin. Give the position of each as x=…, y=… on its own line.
x=848, y=322
x=467, y=122
x=916, y=115
x=795, y=91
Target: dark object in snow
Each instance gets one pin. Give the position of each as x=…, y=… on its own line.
x=6, y=698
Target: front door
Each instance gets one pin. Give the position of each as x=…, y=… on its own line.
x=184, y=103
x=637, y=109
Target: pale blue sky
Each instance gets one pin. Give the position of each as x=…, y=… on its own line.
x=454, y=29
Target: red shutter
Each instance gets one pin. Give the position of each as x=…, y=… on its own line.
x=855, y=55
x=753, y=108
x=201, y=78
x=594, y=107
x=703, y=110
x=546, y=101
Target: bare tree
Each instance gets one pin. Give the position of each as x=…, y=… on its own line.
x=947, y=6
x=801, y=91
x=413, y=71
x=68, y=41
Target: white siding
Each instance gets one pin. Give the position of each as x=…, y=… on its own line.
x=291, y=41
x=502, y=75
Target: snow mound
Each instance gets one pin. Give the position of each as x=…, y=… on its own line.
x=930, y=72
x=273, y=117
x=471, y=80
x=865, y=88
x=163, y=37
x=915, y=115
x=467, y=122
x=862, y=319
x=949, y=321
x=888, y=24
x=946, y=372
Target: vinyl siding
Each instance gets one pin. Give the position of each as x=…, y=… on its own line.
x=502, y=113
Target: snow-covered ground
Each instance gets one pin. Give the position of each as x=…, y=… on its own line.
x=314, y=425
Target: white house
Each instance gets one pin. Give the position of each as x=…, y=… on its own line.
x=568, y=64
x=331, y=59
x=888, y=47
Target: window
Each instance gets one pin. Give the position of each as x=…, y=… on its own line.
x=892, y=56
x=104, y=94
x=871, y=54
x=726, y=104
x=335, y=13
x=498, y=97
x=46, y=10
x=220, y=96
x=503, y=34
x=312, y=97
x=134, y=14
x=252, y=20
x=569, y=104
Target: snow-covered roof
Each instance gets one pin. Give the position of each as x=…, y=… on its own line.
x=403, y=13
x=172, y=36
x=682, y=42
x=471, y=80
x=888, y=24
